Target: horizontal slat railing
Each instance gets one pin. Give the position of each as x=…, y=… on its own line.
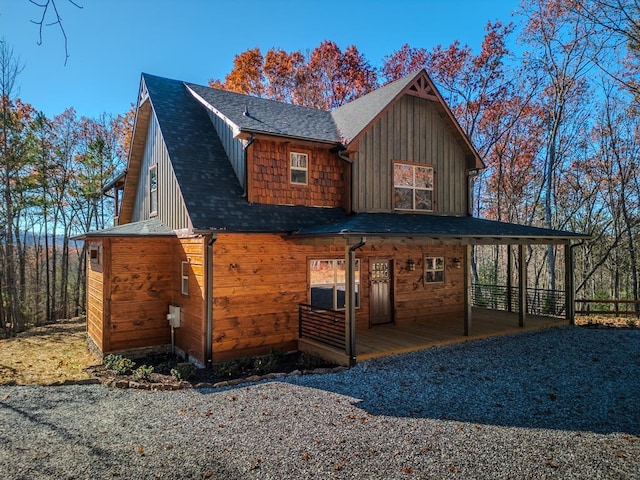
x=621, y=308
x=322, y=325
x=500, y=297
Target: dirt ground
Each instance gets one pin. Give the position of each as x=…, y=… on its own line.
x=56, y=353
x=46, y=355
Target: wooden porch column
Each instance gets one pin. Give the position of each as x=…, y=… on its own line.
x=569, y=287
x=350, y=300
x=509, y=276
x=467, y=290
x=522, y=283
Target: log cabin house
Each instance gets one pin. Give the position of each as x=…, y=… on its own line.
x=253, y=225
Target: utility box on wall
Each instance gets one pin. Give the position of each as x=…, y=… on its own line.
x=174, y=316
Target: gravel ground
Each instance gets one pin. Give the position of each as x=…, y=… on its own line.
x=557, y=403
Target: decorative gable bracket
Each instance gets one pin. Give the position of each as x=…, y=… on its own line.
x=421, y=88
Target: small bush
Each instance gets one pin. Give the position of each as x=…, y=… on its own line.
x=631, y=323
x=143, y=372
x=183, y=371
x=306, y=361
x=118, y=364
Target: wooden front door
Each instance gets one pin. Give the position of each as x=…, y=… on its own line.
x=380, y=286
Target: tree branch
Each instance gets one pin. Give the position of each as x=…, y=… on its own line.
x=47, y=6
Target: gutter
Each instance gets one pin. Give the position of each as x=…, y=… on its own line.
x=209, y=301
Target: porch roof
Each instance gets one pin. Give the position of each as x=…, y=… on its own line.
x=143, y=228
x=447, y=229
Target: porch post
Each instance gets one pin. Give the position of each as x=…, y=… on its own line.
x=509, y=276
x=569, y=287
x=350, y=300
x=522, y=283
x=467, y=290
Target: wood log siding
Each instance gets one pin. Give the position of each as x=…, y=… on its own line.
x=269, y=176
x=259, y=280
x=190, y=337
x=95, y=300
x=141, y=290
x=411, y=131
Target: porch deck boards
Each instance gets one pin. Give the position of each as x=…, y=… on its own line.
x=385, y=340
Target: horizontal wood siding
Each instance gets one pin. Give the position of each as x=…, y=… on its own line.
x=142, y=287
x=258, y=282
x=260, y=279
x=190, y=337
x=171, y=208
x=233, y=146
x=412, y=131
x=270, y=181
x=95, y=299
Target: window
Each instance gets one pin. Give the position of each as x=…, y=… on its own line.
x=94, y=254
x=185, y=278
x=298, y=168
x=153, y=190
x=434, y=269
x=412, y=187
x=328, y=283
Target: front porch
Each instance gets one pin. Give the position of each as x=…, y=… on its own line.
x=384, y=340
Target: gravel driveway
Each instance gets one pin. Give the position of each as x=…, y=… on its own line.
x=557, y=403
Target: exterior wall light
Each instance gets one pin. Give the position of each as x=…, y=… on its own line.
x=457, y=263
x=411, y=265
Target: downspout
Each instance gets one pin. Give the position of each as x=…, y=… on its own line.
x=471, y=176
x=350, y=327
x=209, y=300
x=246, y=165
x=341, y=156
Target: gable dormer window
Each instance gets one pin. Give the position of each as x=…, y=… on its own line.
x=153, y=190
x=413, y=187
x=298, y=168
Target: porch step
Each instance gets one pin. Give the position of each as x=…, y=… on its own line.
x=323, y=351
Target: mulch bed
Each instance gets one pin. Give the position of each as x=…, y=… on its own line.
x=219, y=375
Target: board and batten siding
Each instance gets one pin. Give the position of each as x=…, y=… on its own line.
x=171, y=208
x=234, y=147
x=410, y=131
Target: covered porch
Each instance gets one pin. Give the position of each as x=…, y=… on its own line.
x=384, y=340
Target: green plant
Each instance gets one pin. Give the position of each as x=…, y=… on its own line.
x=143, y=372
x=118, y=364
x=307, y=361
x=631, y=323
x=183, y=371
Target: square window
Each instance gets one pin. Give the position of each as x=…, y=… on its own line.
x=434, y=269
x=328, y=283
x=298, y=168
x=413, y=187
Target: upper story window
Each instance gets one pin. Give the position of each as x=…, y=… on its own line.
x=298, y=168
x=153, y=190
x=412, y=187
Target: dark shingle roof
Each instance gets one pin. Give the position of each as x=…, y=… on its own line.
x=210, y=189
x=351, y=118
x=268, y=116
x=433, y=226
x=145, y=228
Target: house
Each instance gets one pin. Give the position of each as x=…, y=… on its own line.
x=258, y=225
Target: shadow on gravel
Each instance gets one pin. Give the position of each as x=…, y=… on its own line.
x=567, y=379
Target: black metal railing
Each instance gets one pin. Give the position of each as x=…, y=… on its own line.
x=322, y=325
x=540, y=301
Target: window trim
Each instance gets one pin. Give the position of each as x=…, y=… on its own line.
x=435, y=270
x=299, y=169
x=184, y=276
x=335, y=261
x=153, y=192
x=413, y=188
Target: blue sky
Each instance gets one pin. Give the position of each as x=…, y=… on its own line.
x=112, y=41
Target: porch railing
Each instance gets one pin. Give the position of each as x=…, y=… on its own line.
x=322, y=325
x=500, y=297
x=617, y=308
